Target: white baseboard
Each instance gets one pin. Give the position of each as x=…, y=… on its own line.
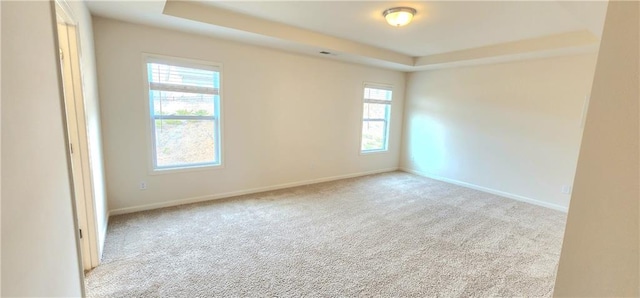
x=489, y=190
x=241, y=192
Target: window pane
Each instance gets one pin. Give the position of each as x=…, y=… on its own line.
x=186, y=92
x=375, y=117
x=375, y=111
x=373, y=135
x=380, y=94
x=182, y=142
x=182, y=104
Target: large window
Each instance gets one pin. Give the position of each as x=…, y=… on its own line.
x=184, y=109
x=375, y=118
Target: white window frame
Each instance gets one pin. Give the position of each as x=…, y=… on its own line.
x=217, y=118
x=387, y=119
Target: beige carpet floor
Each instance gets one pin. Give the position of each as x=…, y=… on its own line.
x=385, y=235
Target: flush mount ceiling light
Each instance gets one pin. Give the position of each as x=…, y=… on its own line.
x=399, y=16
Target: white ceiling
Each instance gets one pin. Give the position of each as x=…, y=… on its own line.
x=449, y=32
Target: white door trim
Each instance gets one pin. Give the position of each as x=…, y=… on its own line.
x=77, y=129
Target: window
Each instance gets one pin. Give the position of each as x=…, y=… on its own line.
x=184, y=109
x=375, y=118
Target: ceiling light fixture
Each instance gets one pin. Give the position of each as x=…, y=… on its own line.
x=399, y=16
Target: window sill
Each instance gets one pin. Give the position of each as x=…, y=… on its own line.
x=185, y=169
x=369, y=152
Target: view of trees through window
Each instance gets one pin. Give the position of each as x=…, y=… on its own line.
x=185, y=115
x=375, y=119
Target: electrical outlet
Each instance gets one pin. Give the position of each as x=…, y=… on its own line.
x=143, y=185
x=566, y=189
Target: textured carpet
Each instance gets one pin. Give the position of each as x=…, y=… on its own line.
x=392, y=234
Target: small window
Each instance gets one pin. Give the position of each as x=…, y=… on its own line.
x=184, y=109
x=375, y=118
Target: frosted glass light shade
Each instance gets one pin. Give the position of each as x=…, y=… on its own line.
x=399, y=16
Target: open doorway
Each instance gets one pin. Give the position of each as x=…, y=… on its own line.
x=76, y=125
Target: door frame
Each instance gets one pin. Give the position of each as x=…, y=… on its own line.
x=69, y=43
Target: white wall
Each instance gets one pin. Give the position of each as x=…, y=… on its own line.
x=39, y=247
x=92, y=116
x=287, y=118
x=600, y=253
x=511, y=128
